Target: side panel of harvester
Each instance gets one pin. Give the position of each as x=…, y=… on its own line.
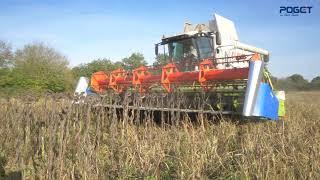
x=260, y=100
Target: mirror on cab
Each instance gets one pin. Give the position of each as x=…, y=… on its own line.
x=156, y=49
x=218, y=38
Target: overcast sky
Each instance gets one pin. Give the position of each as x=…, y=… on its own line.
x=85, y=30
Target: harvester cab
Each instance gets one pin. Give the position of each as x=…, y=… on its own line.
x=218, y=40
x=187, y=50
x=206, y=70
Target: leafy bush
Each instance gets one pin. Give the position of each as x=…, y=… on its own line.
x=35, y=67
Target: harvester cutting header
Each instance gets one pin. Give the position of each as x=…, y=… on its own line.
x=207, y=71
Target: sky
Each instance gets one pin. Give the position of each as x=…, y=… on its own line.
x=87, y=30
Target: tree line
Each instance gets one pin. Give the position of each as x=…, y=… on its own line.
x=39, y=68
x=296, y=82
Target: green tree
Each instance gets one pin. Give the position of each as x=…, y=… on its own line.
x=134, y=61
x=315, y=83
x=293, y=82
x=297, y=78
x=6, y=59
x=42, y=68
x=161, y=60
x=6, y=68
x=297, y=82
x=96, y=65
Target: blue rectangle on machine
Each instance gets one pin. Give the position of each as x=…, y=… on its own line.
x=267, y=103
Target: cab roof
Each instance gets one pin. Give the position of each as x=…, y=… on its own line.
x=183, y=36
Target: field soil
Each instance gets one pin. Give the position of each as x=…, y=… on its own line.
x=48, y=138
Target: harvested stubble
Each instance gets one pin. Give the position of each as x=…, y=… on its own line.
x=45, y=139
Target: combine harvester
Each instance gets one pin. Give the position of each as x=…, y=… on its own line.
x=208, y=71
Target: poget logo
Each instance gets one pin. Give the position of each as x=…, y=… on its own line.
x=294, y=10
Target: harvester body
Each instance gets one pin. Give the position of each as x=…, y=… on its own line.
x=207, y=70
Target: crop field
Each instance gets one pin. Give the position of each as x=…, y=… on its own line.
x=48, y=138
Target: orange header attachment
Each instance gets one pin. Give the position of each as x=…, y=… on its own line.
x=120, y=80
x=143, y=79
x=99, y=81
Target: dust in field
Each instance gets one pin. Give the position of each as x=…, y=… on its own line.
x=54, y=140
